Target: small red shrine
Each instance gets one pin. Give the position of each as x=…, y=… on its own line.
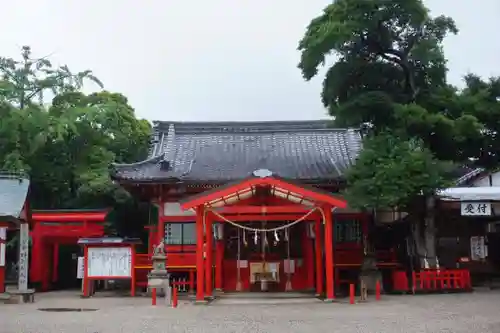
x=253, y=206
x=51, y=229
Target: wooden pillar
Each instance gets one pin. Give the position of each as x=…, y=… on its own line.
x=330, y=283
x=160, y=232
x=200, y=269
x=38, y=263
x=3, y=250
x=47, y=266
x=219, y=261
x=319, y=257
x=307, y=245
x=191, y=281
x=55, y=262
x=209, y=255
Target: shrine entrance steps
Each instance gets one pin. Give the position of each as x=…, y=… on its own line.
x=250, y=298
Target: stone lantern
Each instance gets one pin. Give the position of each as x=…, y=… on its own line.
x=159, y=277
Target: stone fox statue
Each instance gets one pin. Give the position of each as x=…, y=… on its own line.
x=369, y=276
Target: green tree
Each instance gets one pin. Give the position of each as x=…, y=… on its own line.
x=388, y=75
x=96, y=130
x=389, y=71
x=30, y=78
x=397, y=38
x=392, y=172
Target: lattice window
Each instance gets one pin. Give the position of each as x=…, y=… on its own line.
x=180, y=233
x=348, y=231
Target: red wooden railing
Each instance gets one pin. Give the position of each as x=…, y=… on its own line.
x=441, y=280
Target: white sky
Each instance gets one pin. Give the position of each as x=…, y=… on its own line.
x=213, y=60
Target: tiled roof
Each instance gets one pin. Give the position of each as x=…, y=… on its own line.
x=223, y=151
x=13, y=192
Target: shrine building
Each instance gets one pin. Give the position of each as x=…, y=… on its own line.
x=254, y=206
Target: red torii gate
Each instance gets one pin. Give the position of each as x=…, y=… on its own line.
x=225, y=200
x=51, y=228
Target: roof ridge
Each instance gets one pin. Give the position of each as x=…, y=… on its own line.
x=146, y=161
x=247, y=126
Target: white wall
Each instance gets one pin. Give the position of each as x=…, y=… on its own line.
x=492, y=179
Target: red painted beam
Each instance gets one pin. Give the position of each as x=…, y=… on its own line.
x=257, y=217
x=288, y=209
x=246, y=185
x=307, y=193
x=219, y=193
x=69, y=217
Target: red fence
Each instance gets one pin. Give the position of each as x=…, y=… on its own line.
x=434, y=280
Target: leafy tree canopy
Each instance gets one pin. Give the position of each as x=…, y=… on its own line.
x=67, y=145
x=392, y=172
x=388, y=75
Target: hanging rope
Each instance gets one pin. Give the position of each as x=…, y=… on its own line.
x=288, y=285
x=238, y=275
x=286, y=226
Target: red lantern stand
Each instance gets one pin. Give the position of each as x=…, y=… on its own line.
x=107, y=242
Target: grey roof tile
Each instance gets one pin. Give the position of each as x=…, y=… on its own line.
x=223, y=151
x=13, y=192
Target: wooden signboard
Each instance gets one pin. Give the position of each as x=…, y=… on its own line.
x=108, y=259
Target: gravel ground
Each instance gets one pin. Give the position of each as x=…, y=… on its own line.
x=476, y=312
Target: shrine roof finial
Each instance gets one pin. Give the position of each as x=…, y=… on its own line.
x=262, y=173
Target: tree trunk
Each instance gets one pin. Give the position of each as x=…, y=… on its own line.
x=424, y=236
x=430, y=233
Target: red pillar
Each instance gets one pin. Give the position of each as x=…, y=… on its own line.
x=210, y=253
x=219, y=261
x=37, y=263
x=330, y=283
x=55, y=260
x=319, y=257
x=307, y=245
x=3, y=249
x=47, y=266
x=200, y=295
x=160, y=232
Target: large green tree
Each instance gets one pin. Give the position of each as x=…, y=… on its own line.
x=26, y=81
x=387, y=75
x=65, y=145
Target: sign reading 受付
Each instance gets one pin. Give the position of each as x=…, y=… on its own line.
x=476, y=209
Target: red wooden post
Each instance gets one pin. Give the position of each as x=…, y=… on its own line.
x=308, y=256
x=85, y=271
x=200, y=295
x=174, y=298
x=55, y=262
x=377, y=291
x=330, y=279
x=153, y=296
x=319, y=257
x=160, y=233
x=209, y=255
x=132, y=273
x=351, y=293
x=3, y=250
x=191, y=281
x=219, y=260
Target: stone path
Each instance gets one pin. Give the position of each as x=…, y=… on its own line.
x=455, y=313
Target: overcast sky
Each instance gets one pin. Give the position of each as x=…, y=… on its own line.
x=213, y=60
